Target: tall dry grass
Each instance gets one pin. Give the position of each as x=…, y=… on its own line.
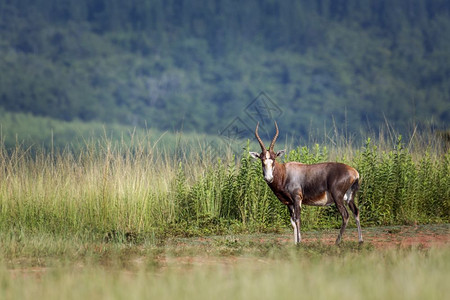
x=133, y=191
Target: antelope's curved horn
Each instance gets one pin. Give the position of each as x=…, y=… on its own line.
x=274, y=138
x=263, y=148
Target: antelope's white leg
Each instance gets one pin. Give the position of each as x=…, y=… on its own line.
x=297, y=235
x=360, y=238
x=355, y=211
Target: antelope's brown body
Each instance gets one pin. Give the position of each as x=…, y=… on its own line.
x=296, y=184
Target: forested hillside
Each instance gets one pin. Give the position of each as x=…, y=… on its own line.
x=195, y=65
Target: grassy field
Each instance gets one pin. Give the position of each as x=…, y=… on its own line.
x=257, y=266
x=122, y=219
x=133, y=192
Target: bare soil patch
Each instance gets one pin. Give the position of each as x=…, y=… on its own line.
x=182, y=254
x=426, y=236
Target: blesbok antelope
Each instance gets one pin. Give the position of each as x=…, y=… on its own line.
x=321, y=184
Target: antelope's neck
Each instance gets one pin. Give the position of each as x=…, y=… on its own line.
x=279, y=174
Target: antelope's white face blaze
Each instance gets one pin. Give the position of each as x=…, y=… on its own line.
x=268, y=162
x=268, y=167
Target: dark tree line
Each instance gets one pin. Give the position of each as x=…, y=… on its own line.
x=196, y=64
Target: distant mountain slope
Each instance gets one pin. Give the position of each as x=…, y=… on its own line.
x=196, y=65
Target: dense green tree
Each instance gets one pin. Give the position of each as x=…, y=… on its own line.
x=197, y=64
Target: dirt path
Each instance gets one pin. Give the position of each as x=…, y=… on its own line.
x=183, y=253
x=384, y=237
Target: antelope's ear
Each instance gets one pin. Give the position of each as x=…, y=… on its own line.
x=281, y=152
x=254, y=154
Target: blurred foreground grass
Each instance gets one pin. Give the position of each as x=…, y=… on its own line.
x=222, y=267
